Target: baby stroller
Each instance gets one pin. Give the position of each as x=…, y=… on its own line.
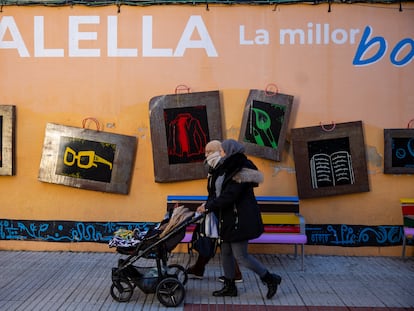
x=166, y=281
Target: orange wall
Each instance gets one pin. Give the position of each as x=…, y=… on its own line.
x=326, y=85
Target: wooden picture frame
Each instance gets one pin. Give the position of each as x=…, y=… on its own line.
x=177, y=154
x=330, y=161
x=7, y=140
x=399, y=151
x=265, y=124
x=87, y=159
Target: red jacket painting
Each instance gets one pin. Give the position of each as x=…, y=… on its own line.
x=186, y=137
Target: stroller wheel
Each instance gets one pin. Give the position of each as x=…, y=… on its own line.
x=122, y=290
x=170, y=292
x=178, y=272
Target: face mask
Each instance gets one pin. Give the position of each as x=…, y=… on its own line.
x=213, y=159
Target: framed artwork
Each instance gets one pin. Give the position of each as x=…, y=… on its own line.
x=7, y=139
x=330, y=161
x=265, y=123
x=181, y=125
x=87, y=159
x=399, y=151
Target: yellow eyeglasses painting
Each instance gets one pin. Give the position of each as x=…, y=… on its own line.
x=71, y=157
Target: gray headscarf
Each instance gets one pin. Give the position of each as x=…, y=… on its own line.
x=231, y=146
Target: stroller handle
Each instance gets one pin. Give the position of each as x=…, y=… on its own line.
x=196, y=217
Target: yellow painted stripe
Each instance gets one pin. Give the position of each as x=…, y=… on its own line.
x=407, y=200
x=280, y=218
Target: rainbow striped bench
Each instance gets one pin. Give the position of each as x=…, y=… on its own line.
x=283, y=224
x=407, y=208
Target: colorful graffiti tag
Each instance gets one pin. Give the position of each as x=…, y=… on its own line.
x=102, y=232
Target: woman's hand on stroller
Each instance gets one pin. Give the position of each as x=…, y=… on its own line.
x=201, y=209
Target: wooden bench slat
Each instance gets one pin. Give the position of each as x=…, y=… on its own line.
x=407, y=201
x=197, y=198
x=273, y=228
x=408, y=209
x=279, y=218
x=282, y=238
x=289, y=204
x=281, y=229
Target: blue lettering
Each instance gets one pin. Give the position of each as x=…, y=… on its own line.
x=365, y=45
x=397, y=50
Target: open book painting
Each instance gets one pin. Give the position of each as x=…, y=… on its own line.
x=331, y=169
x=330, y=161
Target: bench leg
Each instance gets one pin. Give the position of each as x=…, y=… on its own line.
x=302, y=246
x=303, y=256
x=403, y=246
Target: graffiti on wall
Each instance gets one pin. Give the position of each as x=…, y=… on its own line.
x=65, y=231
x=354, y=235
x=102, y=232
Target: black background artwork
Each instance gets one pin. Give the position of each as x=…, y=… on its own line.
x=187, y=134
x=172, y=118
x=265, y=123
x=399, y=151
x=344, y=149
x=403, y=152
x=330, y=162
x=85, y=159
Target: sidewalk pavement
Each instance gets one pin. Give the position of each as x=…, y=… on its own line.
x=81, y=281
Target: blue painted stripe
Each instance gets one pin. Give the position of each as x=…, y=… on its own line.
x=293, y=199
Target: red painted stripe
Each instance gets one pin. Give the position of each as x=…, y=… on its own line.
x=408, y=209
x=281, y=229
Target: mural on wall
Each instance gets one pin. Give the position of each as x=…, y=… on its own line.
x=102, y=232
x=181, y=125
x=65, y=231
x=399, y=151
x=265, y=123
x=330, y=161
x=87, y=159
x=353, y=235
x=7, y=139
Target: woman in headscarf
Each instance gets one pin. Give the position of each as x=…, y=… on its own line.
x=212, y=154
x=239, y=216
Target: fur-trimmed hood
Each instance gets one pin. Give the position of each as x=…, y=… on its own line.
x=248, y=175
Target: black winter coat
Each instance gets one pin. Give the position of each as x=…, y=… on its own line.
x=236, y=206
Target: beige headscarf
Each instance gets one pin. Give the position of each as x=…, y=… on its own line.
x=213, y=146
x=212, y=152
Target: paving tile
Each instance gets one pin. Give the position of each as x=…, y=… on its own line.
x=64, y=281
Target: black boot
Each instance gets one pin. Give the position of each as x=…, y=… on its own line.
x=272, y=281
x=197, y=270
x=229, y=289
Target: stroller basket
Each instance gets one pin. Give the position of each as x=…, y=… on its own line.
x=145, y=278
